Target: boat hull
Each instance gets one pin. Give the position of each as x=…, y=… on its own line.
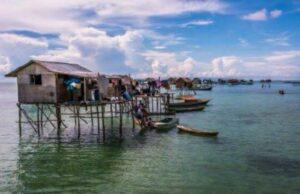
x=192, y=131
x=189, y=103
x=186, y=109
x=162, y=126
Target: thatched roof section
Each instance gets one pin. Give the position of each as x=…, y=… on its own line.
x=58, y=68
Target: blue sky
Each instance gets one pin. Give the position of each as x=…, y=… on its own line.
x=198, y=38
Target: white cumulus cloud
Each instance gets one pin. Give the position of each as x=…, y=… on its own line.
x=262, y=15
x=275, y=13
x=198, y=23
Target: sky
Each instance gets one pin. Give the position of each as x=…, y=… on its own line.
x=255, y=39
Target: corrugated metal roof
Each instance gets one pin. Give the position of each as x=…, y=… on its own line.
x=57, y=67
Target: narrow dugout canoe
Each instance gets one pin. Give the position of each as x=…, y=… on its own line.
x=196, y=131
x=188, y=103
x=167, y=123
x=186, y=109
x=204, y=88
x=164, y=124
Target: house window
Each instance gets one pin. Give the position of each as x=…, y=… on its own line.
x=36, y=79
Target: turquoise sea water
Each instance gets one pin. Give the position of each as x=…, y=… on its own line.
x=257, y=151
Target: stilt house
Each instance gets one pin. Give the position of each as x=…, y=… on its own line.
x=56, y=82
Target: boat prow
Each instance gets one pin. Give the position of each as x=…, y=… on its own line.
x=193, y=131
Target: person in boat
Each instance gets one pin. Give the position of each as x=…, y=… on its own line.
x=142, y=115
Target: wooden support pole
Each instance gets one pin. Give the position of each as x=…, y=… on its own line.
x=157, y=97
x=75, y=117
x=20, y=120
x=48, y=118
x=41, y=119
x=84, y=90
x=30, y=121
x=98, y=122
x=103, y=120
x=38, y=119
x=78, y=119
x=132, y=114
x=111, y=116
x=49, y=107
x=58, y=116
x=151, y=104
x=121, y=121
x=92, y=119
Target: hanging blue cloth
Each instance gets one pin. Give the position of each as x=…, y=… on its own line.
x=72, y=83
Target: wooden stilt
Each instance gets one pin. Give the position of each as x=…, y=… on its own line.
x=92, y=119
x=132, y=114
x=48, y=118
x=20, y=120
x=157, y=97
x=41, y=119
x=151, y=104
x=111, y=116
x=103, y=120
x=121, y=121
x=75, y=117
x=98, y=121
x=30, y=121
x=38, y=119
x=58, y=117
x=78, y=119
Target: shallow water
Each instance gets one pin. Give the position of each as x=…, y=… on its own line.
x=257, y=151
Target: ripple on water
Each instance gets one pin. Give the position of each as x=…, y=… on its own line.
x=272, y=165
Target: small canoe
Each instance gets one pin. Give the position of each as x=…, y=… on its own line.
x=193, y=131
x=164, y=124
x=182, y=97
x=188, y=103
x=167, y=123
x=186, y=109
x=203, y=87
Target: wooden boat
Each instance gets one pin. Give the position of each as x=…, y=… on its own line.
x=186, y=109
x=182, y=97
x=193, y=131
x=204, y=87
x=164, y=124
x=167, y=123
x=190, y=102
